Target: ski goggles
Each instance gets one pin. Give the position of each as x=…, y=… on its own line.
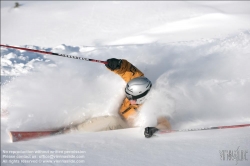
x=131, y=97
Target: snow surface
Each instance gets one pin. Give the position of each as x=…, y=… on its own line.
x=195, y=53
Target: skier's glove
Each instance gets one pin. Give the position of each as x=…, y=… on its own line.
x=149, y=131
x=113, y=63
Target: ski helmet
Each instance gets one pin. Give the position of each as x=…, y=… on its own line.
x=137, y=89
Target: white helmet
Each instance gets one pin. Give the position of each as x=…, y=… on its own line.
x=137, y=89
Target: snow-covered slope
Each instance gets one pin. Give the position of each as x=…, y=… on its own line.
x=195, y=53
x=128, y=147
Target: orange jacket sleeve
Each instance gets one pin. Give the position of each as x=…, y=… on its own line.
x=128, y=71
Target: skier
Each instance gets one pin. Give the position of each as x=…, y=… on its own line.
x=136, y=91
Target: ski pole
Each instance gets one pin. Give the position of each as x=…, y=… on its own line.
x=57, y=54
x=205, y=128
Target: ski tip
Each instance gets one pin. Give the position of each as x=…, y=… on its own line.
x=28, y=135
